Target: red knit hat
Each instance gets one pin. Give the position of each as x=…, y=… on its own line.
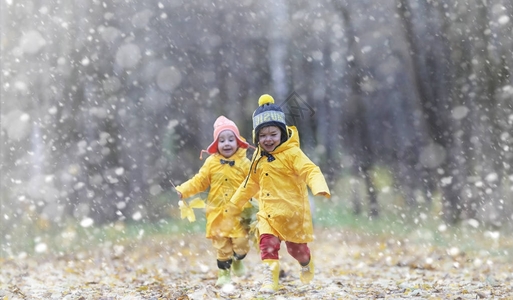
x=221, y=124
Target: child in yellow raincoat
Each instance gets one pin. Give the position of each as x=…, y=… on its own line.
x=280, y=173
x=223, y=172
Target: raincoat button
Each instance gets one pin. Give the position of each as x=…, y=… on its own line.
x=226, y=179
x=266, y=174
x=267, y=194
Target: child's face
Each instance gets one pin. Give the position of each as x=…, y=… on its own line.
x=269, y=137
x=227, y=143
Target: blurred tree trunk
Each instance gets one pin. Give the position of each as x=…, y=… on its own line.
x=338, y=95
x=461, y=142
x=433, y=70
x=501, y=62
x=278, y=50
x=483, y=84
x=408, y=158
x=359, y=136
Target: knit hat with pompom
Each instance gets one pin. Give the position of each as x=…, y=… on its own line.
x=268, y=114
x=221, y=124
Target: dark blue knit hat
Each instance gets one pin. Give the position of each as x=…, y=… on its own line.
x=268, y=114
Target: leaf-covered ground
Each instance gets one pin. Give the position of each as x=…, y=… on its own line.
x=348, y=266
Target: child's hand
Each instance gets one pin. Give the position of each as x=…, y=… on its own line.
x=325, y=194
x=174, y=186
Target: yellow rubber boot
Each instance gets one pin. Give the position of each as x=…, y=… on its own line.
x=271, y=276
x=307, y=272
x=223, y=277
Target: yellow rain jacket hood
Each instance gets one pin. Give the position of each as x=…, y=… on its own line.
x=281, y=186
x=223, y=181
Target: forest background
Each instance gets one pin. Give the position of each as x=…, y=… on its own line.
x=406, y=106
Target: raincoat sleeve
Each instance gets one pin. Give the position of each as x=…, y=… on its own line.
x=311, y=174
x=247, y=189
x=197, y=184
x=245, y=166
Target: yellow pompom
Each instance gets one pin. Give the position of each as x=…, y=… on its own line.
x=265, y=99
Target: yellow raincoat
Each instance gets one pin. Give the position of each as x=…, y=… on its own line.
x=282, y=191
x=223, y=181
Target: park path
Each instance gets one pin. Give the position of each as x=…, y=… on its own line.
x=348, y=266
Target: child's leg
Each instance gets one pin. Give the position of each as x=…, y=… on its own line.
x=224, y=250
x=240, y=250
x=269, y=247
x=223, y=246
x=240, y=247
x=302, y=254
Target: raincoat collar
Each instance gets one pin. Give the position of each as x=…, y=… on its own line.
x=238, y=155
x=291, y=142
